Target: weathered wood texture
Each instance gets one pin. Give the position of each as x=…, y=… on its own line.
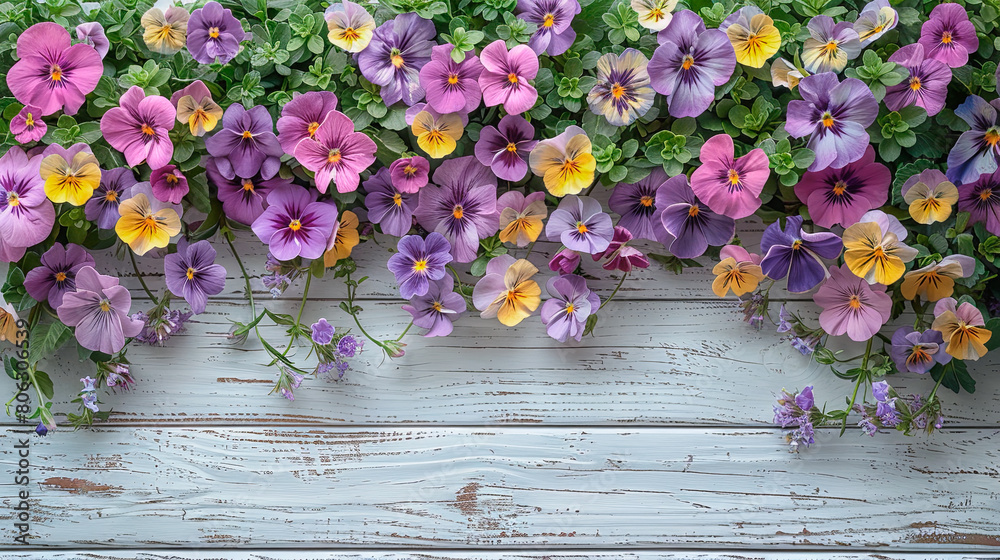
x=510, y=487
x=513, y=555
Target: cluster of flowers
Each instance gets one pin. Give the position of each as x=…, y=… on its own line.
x=468, y=136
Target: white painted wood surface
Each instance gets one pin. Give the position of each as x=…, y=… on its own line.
x=586, y=554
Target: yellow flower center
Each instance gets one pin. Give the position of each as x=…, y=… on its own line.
x=312, y=128
x=992, y=137
x=295, y=225
x=878, y=28
x=839, y=187
x=334, y=156
x=397, y=60
x=855, y=302
x=111, y=196
x=688, y=62
x=60, y=277
x=147, y=130
x=55, y=73
x=734, y=177
x=165, y=32
x=351, y=34
x=511, y=147
x=420, y=266
x=827, y=120
x=549, y=20
x=247, y=134
x=213, y=32
x=617, y=90
x=646, y=201
x=656, y=14
x=694, y=210
x=457, y=212
x=946, y=37
x=796, y=244
x=247, y=185
x=830, y=47
x=150, y=221
x=512, y=78
x=581, y=227
x=985, y=194
x=172, y=179
x=29, y=120
x=452, y=79
x=190, y=273
x=12, y=199
x=915, y=83
x=437, y=306
x=105, y=305
x=410, y=170
x=397, y=199
x=570, y=308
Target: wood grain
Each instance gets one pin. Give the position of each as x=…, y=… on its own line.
x=588, y=554
x=509, y=487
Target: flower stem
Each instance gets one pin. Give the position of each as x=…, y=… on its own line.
x=135, y=267
x=351, y=290
x=620, y=282
x=246, y=277
x=406, y=330
x=305, y=294
x=862, y=376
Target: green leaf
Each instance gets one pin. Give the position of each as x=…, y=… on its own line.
x=44, y=384
x=955, y=376
x=45, y=338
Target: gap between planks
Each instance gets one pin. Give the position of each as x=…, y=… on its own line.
x=465, y=554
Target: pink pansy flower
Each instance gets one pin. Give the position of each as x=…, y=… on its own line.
x=851, y=305
x=139, y=128
x=505, y=76
x=50, y=74
x=620, y=256
x=301, y=117
x=451, y=87
x=336, y=153
x=729, y=186
x=409, y=175
x=28, y=126
x=842, y=196
x=169, y=184
x=26, y=214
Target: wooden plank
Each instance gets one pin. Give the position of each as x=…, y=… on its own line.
x=588, y=554
x=650, y=363
x=508, y=488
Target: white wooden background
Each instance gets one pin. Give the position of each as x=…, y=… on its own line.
x=651, y=440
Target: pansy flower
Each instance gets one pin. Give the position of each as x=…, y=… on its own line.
x=169, y=184
x=147, y=223
x=191, y=273
x=876, y=19
x=418, y=262
x=977, y=150
x=388, y=206
x=851, y=306
x=451, y=87
x=438, y=309
x=874, y=248
x=139, y=128
x=70, y=175
x=963, y=329
x=982, y=200
x=398, y=50
x=99, y=310
x=92, y=33
x=580, y=224
x=165, y=32
x=27, y=125
x=937, y=280
x=784, y=73
x=930, y=195
x=243, y=198
x=505, y=76
x=116, y=185
x=50, y=74
x=505, y=147
x=654, y=15
x=294, y=224
x=554, y=22
x=409, y=174
x=214, y=34
x=689, y=223
x=350, y=26
x=521, y=217
x=437, y=134
x=636, y=204
x=835, y=116
x=830, y=46
x=729, y=185
x=301, y=117
x=336, y=153
x=620, y=256
x=948, y=35
x=196, y=108
x=565, y=163
x=622, y=93
x=739, y=271
x=565, y=261
x=343, y=240
x=753, y=36
x=689, y=63
x=246, y=145
x=917, y=352
x=797, y=254
x=507, y=291
x=461, y=204
x=26, y=214
x=842, y=196
x=927, y=85
x=570, y=303
x=56, y=275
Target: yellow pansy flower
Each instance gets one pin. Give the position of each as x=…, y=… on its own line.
x=874, y=250
x=507, y=291
x=165, y=33
x=936, y=281
x=963, y=329
x=754, y=36
x=565, y=162
x=438, y=136
x=144, y=227
x=345, y=238
x=654, y=15
x=71, y=181
x=931, y=196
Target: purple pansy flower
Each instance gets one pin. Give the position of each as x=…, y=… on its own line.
x=246, y=145
x=636, y=204
x=398, y=50
x=689, y=225
x=580, y=224
x=418, y=262
x=169, y=184
x=834, y=115
x=294, y=224
x=336, y=153
x=243, y=198
x=461, y=205
x=505, y=76
x=28, y=126
x=851, y=305
x=387, y=206
x=56, y=275
x=505, y=148
x=620, y=256
x=438, y=308
x=927, y=86
x=797, y=254
x=981, y=199
x=830, y=46
x=842, y=196
x=92, y=33
x=451, y=87
x=214, y=34
x=191, y=273
x=875, y=20
x=554, y=22
x=978, y=149
x=116, y=186
x=689, y=63
x=99, y=310
x=139, y=128
x=565, y=313
x=948, y=35
x=26, y=214
x=301, y=116
x=565, y=261
x=51, y=74
x=917, y=352
x=410, y=174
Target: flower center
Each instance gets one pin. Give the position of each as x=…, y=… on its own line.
x=985, y=194
x=796, y=244
x=688, y=62
x=549, y=20
x=581, y=227
x=55, y=72
x=694, y=210
x=457, y=212
x=946, y=37
x=878, y=29
x=213, y=32
x=511, y=147
x=915, y=83
x=60, y=276
x=312, y=128
x=992, y=136
x=512, y=78
x=656, y=14
x=190, y=273
x=172, y=179
x=437, y=306
x=295, y=225
x=105, y=305
x=334, y=156
x=918, y=355
x=111, y=196
x=409, y=171
x=247, y=185
x=646, y=201
x=351, y=34
x=827, y=120
x=397, y=199
x=420, y=266
x=839, y=187
x=617, y=90
x=830, y=47
x=734, y=177
x=396, y=58
x=147, y=130
x=855, y=302
x=29, y=121
x=570, y=308
x=12, y=199
x=452, y=79
x=247, y=134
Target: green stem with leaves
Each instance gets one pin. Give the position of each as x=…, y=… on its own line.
x=862, y=378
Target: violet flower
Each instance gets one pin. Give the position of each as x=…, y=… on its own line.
x=917, y=352
x=92, y=33
x=214, y=34
x=169, y=184
x=580, y=224
x=56, y=275
x=977, y=150
x=301, y=117
x=797, y=254
x=116, y=186
x=99, y=311
x=851, y=305
x=243, y=198
x=387, y=206
x=636, y=204
x=26, y=214
x=927, y=85
x=398, y=50
x=451, y=87
x=505, y=75
x=461, y=205
x=294, y=224
x=565, y=261
x=830, y=46
x=948, y=35
x=418, y=262
x=565, y=313
x=438, y=308
x=246, y=145
x=322, y=332
x=554, y=21
x=410, y=174
x=689, y=224
x=139, y=128
x=27, y=125
x=620, y=256
x=842, y=196
x=191, y=273
x=336, y=153
x=505, y=147
x=50, y=74
x=981, y=199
